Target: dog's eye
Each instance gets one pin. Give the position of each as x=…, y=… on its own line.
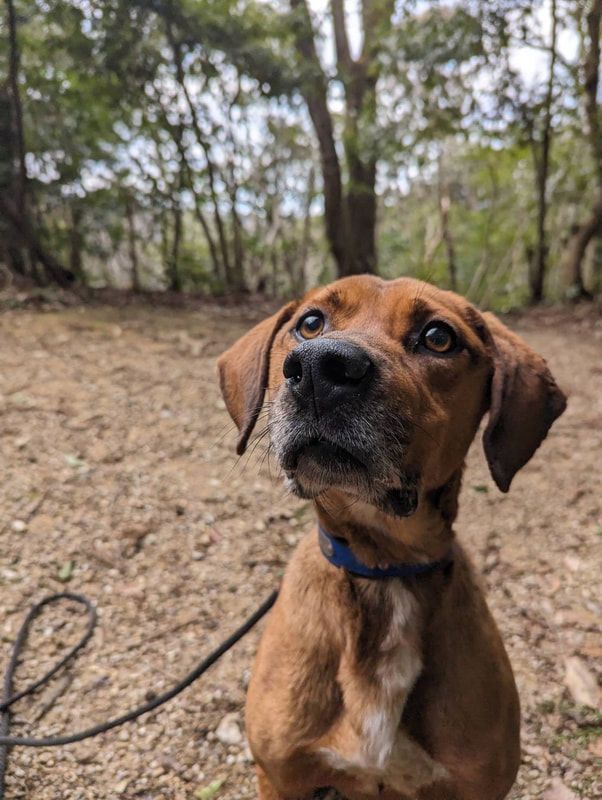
x=438, y=337
x=311, y=325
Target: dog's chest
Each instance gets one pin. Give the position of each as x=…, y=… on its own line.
x=397, y=666
x=375, y=749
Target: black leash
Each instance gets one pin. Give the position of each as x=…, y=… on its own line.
x=8, y=698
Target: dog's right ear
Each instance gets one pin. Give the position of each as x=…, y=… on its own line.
x=525, y=401
x=244, y=371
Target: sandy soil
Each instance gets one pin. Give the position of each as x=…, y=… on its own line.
x=119, y=481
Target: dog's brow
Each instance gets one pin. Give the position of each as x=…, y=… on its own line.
x=420, y=309
x=334, y=299
x=342, y=302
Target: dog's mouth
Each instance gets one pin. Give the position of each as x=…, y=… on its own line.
x=315, y=464
x=323, y=454
x=319, y=464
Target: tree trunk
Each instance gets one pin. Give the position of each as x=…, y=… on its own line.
x=238, y=271
x=582, y=234
x=591, y=85
x=301, y=279
x=175, y=281
x=359, y=78
x=75, y=240
x=15, y=211
x=542, y=161
x=164, y=224
x=315, y=93
x=361, y=209
x=446, y=234
x=21, y=228
x=133, y=253
x=11, y=251
x=218, y=270
x=17, y=111
x=13, y=182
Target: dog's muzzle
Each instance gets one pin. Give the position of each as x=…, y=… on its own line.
x=331, y=425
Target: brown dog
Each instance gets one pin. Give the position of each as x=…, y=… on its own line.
x=385, y=676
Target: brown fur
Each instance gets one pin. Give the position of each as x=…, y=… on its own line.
x=399, y=690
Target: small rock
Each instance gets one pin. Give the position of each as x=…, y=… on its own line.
x=533, y=773
x=42, y=525
x=574, y=563
x=86, y=755
x=228, y=731
x=558, y=791
x=19, y=526
x=581, y=683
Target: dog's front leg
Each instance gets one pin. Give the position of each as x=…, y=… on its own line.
x=267, y=790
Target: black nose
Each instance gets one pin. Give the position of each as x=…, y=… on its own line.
x=329, y=371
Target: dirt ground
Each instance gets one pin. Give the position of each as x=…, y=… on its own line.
x=119, y=481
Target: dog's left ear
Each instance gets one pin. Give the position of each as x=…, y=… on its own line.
x=244, y=370
x=525, y=401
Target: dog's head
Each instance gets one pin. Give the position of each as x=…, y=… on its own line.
x=377, y=388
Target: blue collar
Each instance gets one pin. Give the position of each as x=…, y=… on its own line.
x=340, y=555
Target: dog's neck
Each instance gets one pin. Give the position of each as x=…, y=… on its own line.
x=379, y=539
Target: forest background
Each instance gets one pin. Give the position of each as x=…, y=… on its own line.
x=234, y=146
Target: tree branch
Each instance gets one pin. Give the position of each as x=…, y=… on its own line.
x=196, y=126
x=344, y=59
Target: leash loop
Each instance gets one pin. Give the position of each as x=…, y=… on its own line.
x=8, y=698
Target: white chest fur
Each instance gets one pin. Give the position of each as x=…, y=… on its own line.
x=373, y=747
x=397, y=668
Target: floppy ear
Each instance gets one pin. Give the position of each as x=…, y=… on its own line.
x=244, y=371
x=525, y=401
